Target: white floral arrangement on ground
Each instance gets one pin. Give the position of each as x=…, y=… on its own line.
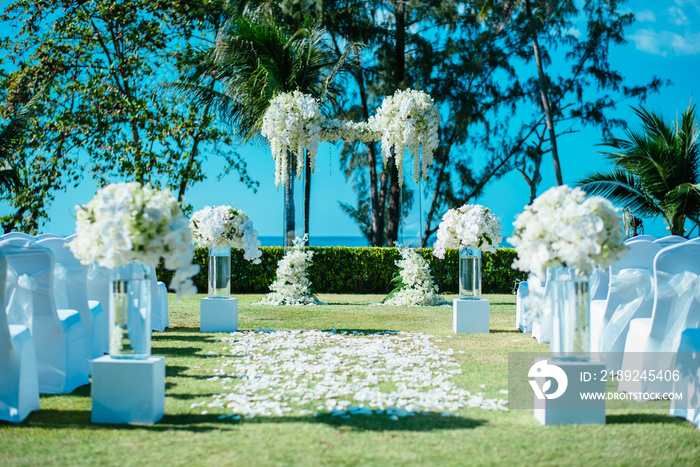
x=564, y=228
x=469, y=226
x=222, y=226
x=292, y=123
x=408, y=119
x=417, y=285
x=128, y=222
x=292, y=286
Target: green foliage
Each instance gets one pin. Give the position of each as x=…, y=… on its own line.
x=104, y=115
x=357, y=270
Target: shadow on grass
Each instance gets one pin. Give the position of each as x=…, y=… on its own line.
x=637, y=418
x=82, y=391
x=176, y=371
x=417, y=423
x=195, y=338
x=170, y=333
x=180, y=352
x=508, y=331
x=189, y=396
x=81, y=419
x=72, y=419
x=426, y=422
x=503, y=303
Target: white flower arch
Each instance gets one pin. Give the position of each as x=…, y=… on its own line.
x=408, y=119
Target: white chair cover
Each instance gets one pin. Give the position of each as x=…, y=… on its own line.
x=19, y=382
x=670, y=240
x=164, y=316
x=676, y=308
x=520, y=297
x=688, y=366
x=18, y=235
x=58, y=333
x=47, y=235
x=629, y=296
x=649, y=238
x=99, y=281
x=70, y=288
x=159, y=302
x=599, y=282
x=542, y=327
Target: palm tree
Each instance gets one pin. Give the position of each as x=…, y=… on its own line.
x=656, y=170
x=9, y=144
x=255, y=58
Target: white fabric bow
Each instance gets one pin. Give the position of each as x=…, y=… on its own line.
x=20, y=302
x=682, y=289
x=634, y=286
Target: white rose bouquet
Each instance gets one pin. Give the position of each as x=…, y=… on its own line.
x=223, y=226
x=127, y=222
x=564, y=228
x=469, y=226
x=291, y=123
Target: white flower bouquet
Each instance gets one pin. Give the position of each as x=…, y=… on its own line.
x=469, y=226
x=222, y=226
x=292, y=286
x=564, y=228
x=417, y=286
x=408, y=119
x=128, y=222
x=292, y=123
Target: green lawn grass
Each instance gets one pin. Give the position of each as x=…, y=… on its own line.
x=61, y=432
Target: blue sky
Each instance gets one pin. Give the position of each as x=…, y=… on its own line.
x=664, y=41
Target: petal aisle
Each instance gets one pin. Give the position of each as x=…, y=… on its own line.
x=342, y=373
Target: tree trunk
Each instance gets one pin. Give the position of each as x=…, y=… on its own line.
x=289, y=211
x=399, y=74
x=394, y=205
x=377, y=226
x=307, y=197
x=678, y=226
x=433, y=204
x=545, y=96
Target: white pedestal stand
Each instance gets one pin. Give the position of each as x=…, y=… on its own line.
x=470, y=316
x=218, y=314
x=128, y=391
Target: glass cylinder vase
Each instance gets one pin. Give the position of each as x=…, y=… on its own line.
x=570, y=313
x=130, y=313
x=219, y=272
x=470, y=273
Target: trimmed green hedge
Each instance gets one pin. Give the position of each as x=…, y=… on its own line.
x=357, y=270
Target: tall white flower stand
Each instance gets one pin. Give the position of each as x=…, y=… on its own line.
x=569, y=408
x=128, y=390
x=470, y=316
x=218, y=314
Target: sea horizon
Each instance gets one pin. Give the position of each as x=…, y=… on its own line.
x=319, y=240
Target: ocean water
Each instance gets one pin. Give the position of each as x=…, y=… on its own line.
x=315, y=240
